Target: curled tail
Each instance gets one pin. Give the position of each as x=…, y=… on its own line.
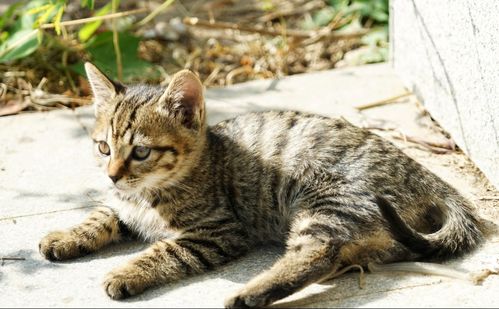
x=459, y=232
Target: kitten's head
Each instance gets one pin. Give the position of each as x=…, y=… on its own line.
x=149, y=137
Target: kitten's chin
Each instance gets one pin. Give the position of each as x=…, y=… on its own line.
x=125, y=189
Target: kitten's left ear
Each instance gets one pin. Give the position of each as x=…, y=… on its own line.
x=184, y=99
x=103, y=88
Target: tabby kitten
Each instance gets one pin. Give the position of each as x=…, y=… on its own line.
x=335, y=194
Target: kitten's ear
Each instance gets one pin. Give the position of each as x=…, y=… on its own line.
x=103, y=88
x=184, y=99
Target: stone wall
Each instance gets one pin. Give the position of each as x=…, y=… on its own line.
x=447, y=52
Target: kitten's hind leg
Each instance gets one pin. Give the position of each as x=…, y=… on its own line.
x=99, y=229
x=311, y=256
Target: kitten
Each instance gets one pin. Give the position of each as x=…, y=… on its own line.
x=335, y=194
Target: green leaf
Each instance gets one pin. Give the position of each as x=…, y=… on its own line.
x=324, y=16
x=379, y=15
x=102, y=54
x=374, y=55
x=9, y=14
x=376, y=37
x=27, y=21
x=87, y=3
x=19, y=45
x=4, y=35
x=89, y=29
x=39, y=9
x=47, y=15
x=338, y=4
x=57, y=20
x=22, y=39
x=374, y=9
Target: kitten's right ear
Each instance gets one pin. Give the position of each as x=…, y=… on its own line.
x=103, y=88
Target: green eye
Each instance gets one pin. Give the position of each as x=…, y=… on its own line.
x=140, y=153
x=104, y=148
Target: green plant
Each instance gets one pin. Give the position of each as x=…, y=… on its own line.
x=376, y=10
x=20, y=33
x=371, y=14
x=26, y=26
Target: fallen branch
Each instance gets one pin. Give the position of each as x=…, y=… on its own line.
x=299, y=34
x=196, y=22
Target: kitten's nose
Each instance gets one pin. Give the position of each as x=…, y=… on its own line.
x=116, y=169
x=115, y=178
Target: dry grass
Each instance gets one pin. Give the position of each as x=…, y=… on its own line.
x=224, y=41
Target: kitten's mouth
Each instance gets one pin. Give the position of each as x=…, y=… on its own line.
x=125, y=187
x=122, y=186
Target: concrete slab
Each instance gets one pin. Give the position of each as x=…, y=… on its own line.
x=50, y=181
x=46, y=164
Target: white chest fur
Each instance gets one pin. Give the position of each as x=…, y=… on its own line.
x=142, y=219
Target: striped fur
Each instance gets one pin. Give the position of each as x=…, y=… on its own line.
x=205, y=195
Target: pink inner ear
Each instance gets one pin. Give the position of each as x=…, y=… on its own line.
x=191, y=90
x=186, y=93
x=191, y=103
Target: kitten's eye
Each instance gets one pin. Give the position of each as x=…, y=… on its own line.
x=140, y=152
x=104, y=148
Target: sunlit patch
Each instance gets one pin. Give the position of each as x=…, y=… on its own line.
x=303, y=224
x=141, y=139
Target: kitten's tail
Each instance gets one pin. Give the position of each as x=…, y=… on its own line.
x=459, y=232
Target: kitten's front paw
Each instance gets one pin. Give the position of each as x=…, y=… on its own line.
x=244, y=301
x=59, y=246
x=124, y=282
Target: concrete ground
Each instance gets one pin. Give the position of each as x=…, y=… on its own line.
x=49, y=180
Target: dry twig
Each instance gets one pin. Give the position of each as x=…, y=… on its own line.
x=362, y=280
x=196, y=22
x=154, y=13
x=116, y=42
x=9, y=258
x=435, y=147
x=306, y=7
x=299, y=34
x=438, y=148
x=94, y=18
x=382, y=102
x=489, y=198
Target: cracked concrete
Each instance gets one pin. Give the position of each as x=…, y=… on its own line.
x=49, y=180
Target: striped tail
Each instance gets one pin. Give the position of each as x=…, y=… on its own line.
x=458, y=235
